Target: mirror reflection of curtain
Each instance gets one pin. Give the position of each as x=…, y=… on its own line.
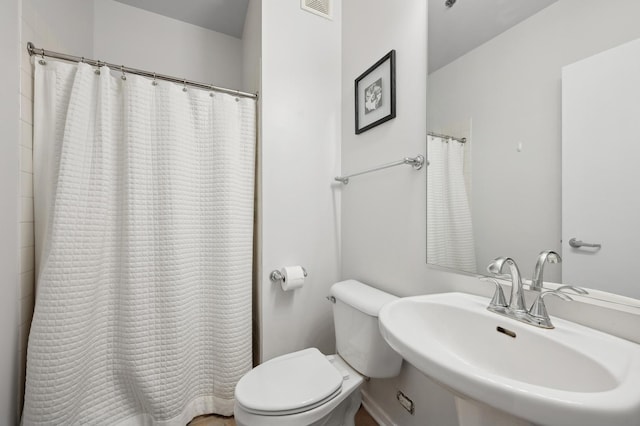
x=449, y=229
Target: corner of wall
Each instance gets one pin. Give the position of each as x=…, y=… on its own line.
x=300, y=155
x=251, y=47
x=10, y=154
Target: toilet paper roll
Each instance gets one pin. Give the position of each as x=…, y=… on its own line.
x=293, y=277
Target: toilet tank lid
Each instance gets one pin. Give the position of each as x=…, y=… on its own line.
x=362, y=297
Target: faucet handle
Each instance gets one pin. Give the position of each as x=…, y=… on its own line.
x=577, y=290
x=498, y=300
x=539, y=311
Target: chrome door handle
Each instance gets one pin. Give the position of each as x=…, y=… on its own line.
x=575, y=243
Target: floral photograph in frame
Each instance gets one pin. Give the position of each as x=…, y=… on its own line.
x=375, y=94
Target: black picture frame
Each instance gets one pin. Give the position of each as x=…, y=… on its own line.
x=375, y=94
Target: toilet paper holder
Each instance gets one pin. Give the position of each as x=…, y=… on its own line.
x=276, y=275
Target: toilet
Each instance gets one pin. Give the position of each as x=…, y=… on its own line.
x=307, y=388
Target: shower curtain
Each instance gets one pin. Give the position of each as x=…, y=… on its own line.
x=144, y=227
x=450, y=241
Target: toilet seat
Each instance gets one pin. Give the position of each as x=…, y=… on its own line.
x=289, y=384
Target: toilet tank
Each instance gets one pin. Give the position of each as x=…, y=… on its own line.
x=358, y=338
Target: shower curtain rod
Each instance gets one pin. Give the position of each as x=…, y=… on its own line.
x=439, y=135
x=127, y=70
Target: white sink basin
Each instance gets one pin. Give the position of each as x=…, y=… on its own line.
x=571, y=375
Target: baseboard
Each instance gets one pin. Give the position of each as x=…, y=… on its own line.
x=375, y=410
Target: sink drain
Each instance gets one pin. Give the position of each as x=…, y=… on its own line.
x=505, y=331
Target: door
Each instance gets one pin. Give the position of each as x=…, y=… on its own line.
x=601, y=170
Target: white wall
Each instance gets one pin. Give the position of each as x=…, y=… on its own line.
x=510, y=88
x=140, y=39
x=383, y=213
x=300, y=155
x=251, y=47
x=9, y=199
x=60, y=25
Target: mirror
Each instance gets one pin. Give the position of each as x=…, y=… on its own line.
x=495, y=84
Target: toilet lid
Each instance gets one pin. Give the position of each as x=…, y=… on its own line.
x=289, y=384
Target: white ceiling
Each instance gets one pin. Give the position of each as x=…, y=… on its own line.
x=223, y=16
x=469, y=23
x=452, y=31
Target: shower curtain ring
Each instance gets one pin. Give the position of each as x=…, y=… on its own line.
x=184, y=84
x=124, y=77
x=97, y=71
x=211, y=94
x=42, y=61
x=154, y=82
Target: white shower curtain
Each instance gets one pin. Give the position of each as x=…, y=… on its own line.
x=144, y=228
x=450, y=241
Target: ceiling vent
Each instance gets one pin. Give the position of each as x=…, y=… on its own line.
x=318, y=7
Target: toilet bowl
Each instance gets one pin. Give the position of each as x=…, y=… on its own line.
x=307, y=388
x=302, y=388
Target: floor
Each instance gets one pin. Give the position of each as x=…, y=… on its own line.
x=362, y=419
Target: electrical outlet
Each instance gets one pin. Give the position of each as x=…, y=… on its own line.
x=406, y=402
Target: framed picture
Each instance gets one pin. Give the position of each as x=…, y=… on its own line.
x=376, y=94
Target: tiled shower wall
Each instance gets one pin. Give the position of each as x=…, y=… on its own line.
x=26, y=292
x=37, y=20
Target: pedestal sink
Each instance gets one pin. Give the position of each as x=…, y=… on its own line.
x=571, y=375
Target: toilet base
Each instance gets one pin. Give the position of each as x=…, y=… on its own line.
x=342, y=415
x=340, y=411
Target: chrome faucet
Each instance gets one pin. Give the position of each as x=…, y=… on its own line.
x=516, y=308
x=516, y=303
x=544, y=257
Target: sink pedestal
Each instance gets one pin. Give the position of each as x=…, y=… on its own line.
x=474, y=413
